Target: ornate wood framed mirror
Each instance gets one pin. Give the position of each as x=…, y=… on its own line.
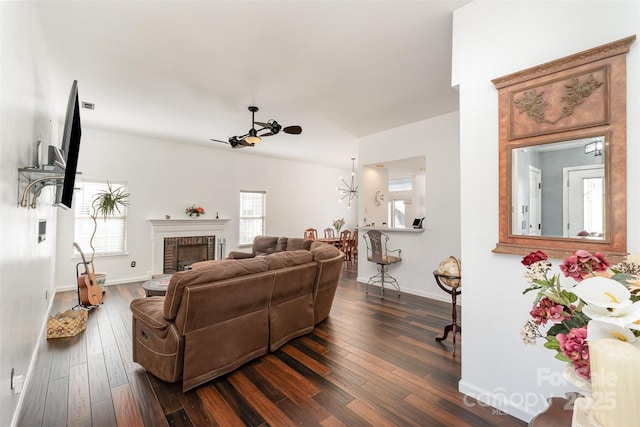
x=562, y=155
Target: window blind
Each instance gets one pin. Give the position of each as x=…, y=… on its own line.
x=110, y=237
x=252, y=215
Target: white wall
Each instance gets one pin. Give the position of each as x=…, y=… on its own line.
x=26, y=266
x=437, y=140
x=492, y=39
x=373, y=179
x=165, y=177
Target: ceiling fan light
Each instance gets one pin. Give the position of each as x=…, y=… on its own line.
x=252, y=139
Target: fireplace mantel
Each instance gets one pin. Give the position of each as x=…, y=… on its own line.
x=161, y=228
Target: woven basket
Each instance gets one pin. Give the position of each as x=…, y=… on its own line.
x=67, y=324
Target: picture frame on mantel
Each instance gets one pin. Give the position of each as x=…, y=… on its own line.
x=563, y=105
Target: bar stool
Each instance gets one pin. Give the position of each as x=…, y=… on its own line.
x=377, y=252
x=449, y=278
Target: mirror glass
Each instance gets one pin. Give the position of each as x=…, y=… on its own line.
x=558, y=189
x=394, y=192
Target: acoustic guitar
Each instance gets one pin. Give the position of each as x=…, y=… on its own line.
x=90, y=292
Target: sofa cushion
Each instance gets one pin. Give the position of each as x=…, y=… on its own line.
x=264, y=245
x=288, y=259
x=282, y=244
x=321, y=251
x=210, y=272
x=297, y=243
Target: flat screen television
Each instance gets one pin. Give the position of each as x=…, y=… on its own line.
x=70, y=148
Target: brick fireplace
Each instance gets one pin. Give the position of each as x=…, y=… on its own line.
x=193, y=239
x=180, y=252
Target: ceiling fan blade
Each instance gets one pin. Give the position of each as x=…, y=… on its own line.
x=263, y=124
x=217, y=140
x=266, y=134
x=294, y=130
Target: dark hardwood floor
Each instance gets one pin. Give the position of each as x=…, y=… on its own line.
x=373, y=362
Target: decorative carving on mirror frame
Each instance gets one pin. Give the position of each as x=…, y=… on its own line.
x=574, y=97
x=572, y=101
x=533, y=104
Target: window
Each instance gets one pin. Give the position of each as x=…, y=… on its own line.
x=252, y=215
x=110, y=238
x=398, y=213
x=401, y=184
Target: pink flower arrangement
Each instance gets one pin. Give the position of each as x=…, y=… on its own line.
x=603, y=293
x=582, y=264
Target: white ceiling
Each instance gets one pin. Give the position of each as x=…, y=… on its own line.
x=187, y=70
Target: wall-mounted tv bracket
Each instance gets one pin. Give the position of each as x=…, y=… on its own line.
x=36, y=180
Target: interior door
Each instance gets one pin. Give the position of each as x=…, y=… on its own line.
x=583, y=212
x=535, y=201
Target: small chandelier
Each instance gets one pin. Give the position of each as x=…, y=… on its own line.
x=350, y=190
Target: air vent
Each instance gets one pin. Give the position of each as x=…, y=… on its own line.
x=88, y=105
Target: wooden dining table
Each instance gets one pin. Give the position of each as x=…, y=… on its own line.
x=336, y=241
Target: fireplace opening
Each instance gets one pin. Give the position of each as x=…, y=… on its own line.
x=181, y=252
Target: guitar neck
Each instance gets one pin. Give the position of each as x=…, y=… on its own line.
x=84, y=261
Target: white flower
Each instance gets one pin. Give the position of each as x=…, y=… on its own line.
x=633, y=259
x=603, y=292
x=537, y=271
x=598, y=329
x=529, y=332
x=622, y=317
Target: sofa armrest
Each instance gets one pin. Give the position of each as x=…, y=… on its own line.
x=150, y=310
x=240, y=255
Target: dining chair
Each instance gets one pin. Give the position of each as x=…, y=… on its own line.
x=328, y=233
x=354, y=245
x=378, y=253
x=311, y=234
x=345, y=244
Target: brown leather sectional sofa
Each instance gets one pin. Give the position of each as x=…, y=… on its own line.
x=224, y=313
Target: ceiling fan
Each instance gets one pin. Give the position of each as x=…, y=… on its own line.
x=255, y=135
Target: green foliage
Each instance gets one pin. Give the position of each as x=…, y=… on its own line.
x=109, y=201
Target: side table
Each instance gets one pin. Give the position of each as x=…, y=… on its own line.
x=157, y=286
x=442, y=280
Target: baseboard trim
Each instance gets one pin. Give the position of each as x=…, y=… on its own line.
x=436, y=296
x=497, y=399
x=107, y=283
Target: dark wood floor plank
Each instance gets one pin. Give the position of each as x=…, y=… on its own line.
x=268, y=410
x=246, y=412
x=104, y=325
x=35, y=397
x=114, y=365
x=55, y=410
x=370, y=415
x=374, y=361
x=79, y=405
x=92, y=334
x=98, y=379
x=78, y=350
x=179, y=419
x=60, y=361
x=103, y=413
x=124, y=405
x=299, y=394
x=194, y=409
x=219, y=409
x=146, y=399
x=168, y=394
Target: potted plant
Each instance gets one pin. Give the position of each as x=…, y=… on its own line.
x=105, y=204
